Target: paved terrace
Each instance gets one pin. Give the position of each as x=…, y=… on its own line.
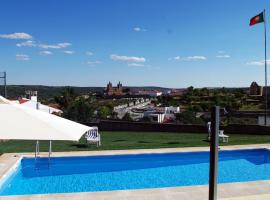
x=256, y=190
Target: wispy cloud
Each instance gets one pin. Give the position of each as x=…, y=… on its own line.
x=258, y=63
x=223, y=56
x=196, y=58
x=68, y=52
x=94, y=62
x=135, y=65
x=45, y=53
x=175, y=58
x=28, y=43
x=138, y=29
x=127, y=58
x=23, y=57
x=55, y=46
x=89, y=53
x=14, y=36
x=188, y=58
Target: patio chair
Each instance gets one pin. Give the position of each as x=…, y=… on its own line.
x=93, y=136
x=221, y=135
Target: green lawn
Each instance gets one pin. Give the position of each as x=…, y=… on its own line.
x=133, y=140
x=252, y=107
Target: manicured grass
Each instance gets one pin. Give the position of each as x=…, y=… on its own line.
x=132, y=140
x=252, y=107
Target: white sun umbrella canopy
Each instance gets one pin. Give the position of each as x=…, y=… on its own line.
x=22, y=123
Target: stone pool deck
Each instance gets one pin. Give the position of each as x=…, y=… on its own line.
x=256, y=190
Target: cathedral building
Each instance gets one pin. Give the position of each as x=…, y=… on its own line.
x=256, y=90
x=114, y=91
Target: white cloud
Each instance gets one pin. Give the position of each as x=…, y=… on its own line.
x=138, y=29
x=189, y=58
x=89, y=53
x=94, y=62
x=68, y=52
x=24, y=36
x=196, y=58
x=45, y=53
x=223, y=56
x=127, y=58
x=258, y=63
x=55, y=46
x=28, y=43
x=22, y=57
x=135, y=65
x=177, y=58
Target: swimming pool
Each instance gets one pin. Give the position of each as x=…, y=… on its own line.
x=122, y=172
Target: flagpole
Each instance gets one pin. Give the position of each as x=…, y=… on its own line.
x=265, y=69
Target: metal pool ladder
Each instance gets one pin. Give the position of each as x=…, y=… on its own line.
x=37, y=153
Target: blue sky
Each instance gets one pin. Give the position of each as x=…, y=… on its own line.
x=170, y=43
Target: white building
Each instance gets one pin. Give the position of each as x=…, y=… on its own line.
x=162, y=114
x=155, y=94
x=39, y=106
x=155, y=116
x=151, y=93
x=172, y=110
x=32, y=102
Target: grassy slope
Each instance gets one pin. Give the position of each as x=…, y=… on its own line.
x=132, y=140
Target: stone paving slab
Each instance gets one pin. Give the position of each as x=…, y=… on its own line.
x=258, y=190
x=253, y=197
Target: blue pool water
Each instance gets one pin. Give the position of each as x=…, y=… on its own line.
x=121, y=172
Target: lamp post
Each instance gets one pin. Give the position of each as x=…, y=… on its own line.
x=265, y=70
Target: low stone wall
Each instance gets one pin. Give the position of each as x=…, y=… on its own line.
x=177, y=128
x=147, y=127
x=247, y=129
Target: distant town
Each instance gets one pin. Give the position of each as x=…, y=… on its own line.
x=144, y=104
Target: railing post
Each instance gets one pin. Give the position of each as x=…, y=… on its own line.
x=213, y=172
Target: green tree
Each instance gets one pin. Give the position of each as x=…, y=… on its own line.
x=127, y=117
x=217, y=99
x=67, y=97
x=205, y=92
x=235, y=105
x=223, y=90
x=126, y=90
x=190, y=90
x=205, y=106
x=240, y=94
x=197, y=108
x=196, y=92
x=79, y=110
x=188, y=117
x=105, y=112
